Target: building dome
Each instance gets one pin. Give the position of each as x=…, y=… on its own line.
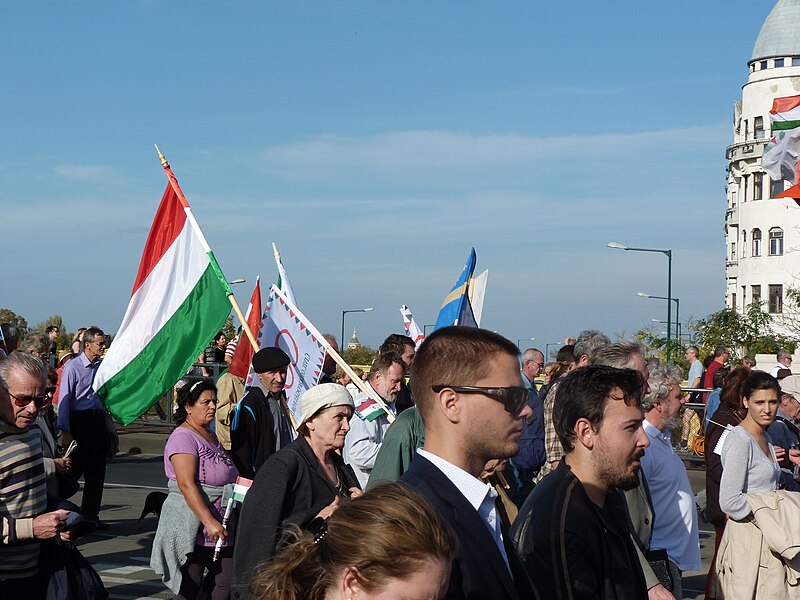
x=780, y=34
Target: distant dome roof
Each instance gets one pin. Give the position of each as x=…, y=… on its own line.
x=780, y=34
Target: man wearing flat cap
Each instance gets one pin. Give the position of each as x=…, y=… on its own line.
x=261, y=425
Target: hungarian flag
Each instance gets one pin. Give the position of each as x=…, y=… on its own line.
x=179, y=301
x=240, y=488
x=785, y=113
x=243, y=356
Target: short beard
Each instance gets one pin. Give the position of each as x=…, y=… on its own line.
x=610, y=473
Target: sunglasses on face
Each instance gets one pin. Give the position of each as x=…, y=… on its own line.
x=512, y=398
x=23, y=401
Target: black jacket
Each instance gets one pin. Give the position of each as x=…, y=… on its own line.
x=289, y=489
x=478, y=571
x=572, y=548
x=716, y=427
x=254, y=434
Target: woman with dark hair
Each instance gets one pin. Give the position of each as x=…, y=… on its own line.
x=730, y=413
x=301, y=485
x=200, y=475
x=387, y=544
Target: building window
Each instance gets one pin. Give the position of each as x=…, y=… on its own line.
x=775, y=188
x=778, y=62
x=763, y=64
x=733, y=251
x=733, y=301
x=776, y=241
x=744, y=244
x=776, y=299
x=758, y=186
x=745, y=179
x=755, y=290
x=756, y=242
x=746, y=128
x=795, y=61
x=758, y=128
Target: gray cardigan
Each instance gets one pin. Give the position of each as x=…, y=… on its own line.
x=177, y=531
x=745, y=470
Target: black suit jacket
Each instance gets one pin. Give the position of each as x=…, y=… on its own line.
x=479, y=571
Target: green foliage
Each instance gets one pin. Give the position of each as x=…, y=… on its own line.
x=229, y=329
x=362, y=355
x=748, y=333
x=9, y=316
x=64, y=339
x=656, y=346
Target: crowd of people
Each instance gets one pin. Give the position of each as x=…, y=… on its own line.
x=483, y=473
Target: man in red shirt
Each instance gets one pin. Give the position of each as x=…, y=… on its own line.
x=721, y=355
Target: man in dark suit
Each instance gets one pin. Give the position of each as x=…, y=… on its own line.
x=469, y=393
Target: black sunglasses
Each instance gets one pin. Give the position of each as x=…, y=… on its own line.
x=23, y=401
x=512, y=398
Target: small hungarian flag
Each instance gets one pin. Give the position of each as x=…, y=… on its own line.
x=369, y=410
x=240, y=488
x=243, y=355
x=785, y=113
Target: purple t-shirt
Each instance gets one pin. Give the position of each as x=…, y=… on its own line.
x=214, y=467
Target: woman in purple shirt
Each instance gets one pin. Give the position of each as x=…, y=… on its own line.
x=200, y=472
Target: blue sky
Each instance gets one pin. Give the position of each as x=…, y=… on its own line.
x=375, y=143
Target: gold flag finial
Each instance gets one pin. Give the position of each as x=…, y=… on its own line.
x=275, y=252
x=161, y=157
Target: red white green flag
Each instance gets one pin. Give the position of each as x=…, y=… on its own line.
x=243, y=356
x=179, y=301
x=785, y=113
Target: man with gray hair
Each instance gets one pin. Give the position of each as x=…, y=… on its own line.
x=784, y=362
x=24, y=520
x=674, y=537
x=588, y=341
x=9, y=338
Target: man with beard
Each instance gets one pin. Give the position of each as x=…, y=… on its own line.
x=572, y=532
x=367, y=430
x=675, y=528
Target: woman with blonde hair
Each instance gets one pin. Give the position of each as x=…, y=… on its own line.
x=386, y=544
x=77, y=341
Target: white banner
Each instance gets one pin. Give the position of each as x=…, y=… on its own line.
x=411, y=327
x=285, y=327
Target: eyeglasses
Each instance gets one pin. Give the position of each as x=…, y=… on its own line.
x=23, y=401
x=512, y=398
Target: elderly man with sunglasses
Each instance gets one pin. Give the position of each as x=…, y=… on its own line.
x=468, y=391
x=23, y=489
x=82, y=418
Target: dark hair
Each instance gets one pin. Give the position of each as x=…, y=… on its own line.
x=566, y=354
x=383, y=362
x=90, y=334
x=731, y=387
x=584, y=393
x=720, y=375
x=759, y=380
x=51, y=328
x=189, y=394
x=389, y=532
x=454, y=355
x=395, y=343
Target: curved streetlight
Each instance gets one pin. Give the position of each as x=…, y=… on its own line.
x=239, y=280
x=533, y=339
x=353, y=310
x=677, y=302
x=668, y=254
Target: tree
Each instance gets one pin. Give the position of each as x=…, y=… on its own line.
x=747, y=333
x=9, y=316
x=64, y=339
x=655, y=346
x=360, y=355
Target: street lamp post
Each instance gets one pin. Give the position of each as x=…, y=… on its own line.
x=547, y=350
x=677, y=302
x=668, y=254
x=425, y=328
x=353, y=310
x=524, y=340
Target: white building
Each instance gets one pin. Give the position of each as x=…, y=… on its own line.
x=762, y=233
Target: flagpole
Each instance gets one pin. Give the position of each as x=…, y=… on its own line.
x=177, y=189
x=275, y=252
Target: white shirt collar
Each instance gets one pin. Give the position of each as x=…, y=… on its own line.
x=472, y=488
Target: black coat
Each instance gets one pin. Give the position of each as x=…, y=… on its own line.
x=572, y=548
x=722, y=416
x=289, y=490
x=479, y=571
x=254, y=434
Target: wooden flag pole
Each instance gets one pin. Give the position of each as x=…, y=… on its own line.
x=231, y=297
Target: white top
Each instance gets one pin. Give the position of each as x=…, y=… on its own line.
x=479, y=494
x=364, y=439
x=745, y=470
x=674, y=512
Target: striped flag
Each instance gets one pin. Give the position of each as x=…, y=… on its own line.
x=240, y=488
x=785, y=113
x=456, y=308
x=369, y=410
x=179, y=301
x=411, y=327
x=243, y=356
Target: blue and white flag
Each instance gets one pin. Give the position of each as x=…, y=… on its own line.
x=456, y=308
